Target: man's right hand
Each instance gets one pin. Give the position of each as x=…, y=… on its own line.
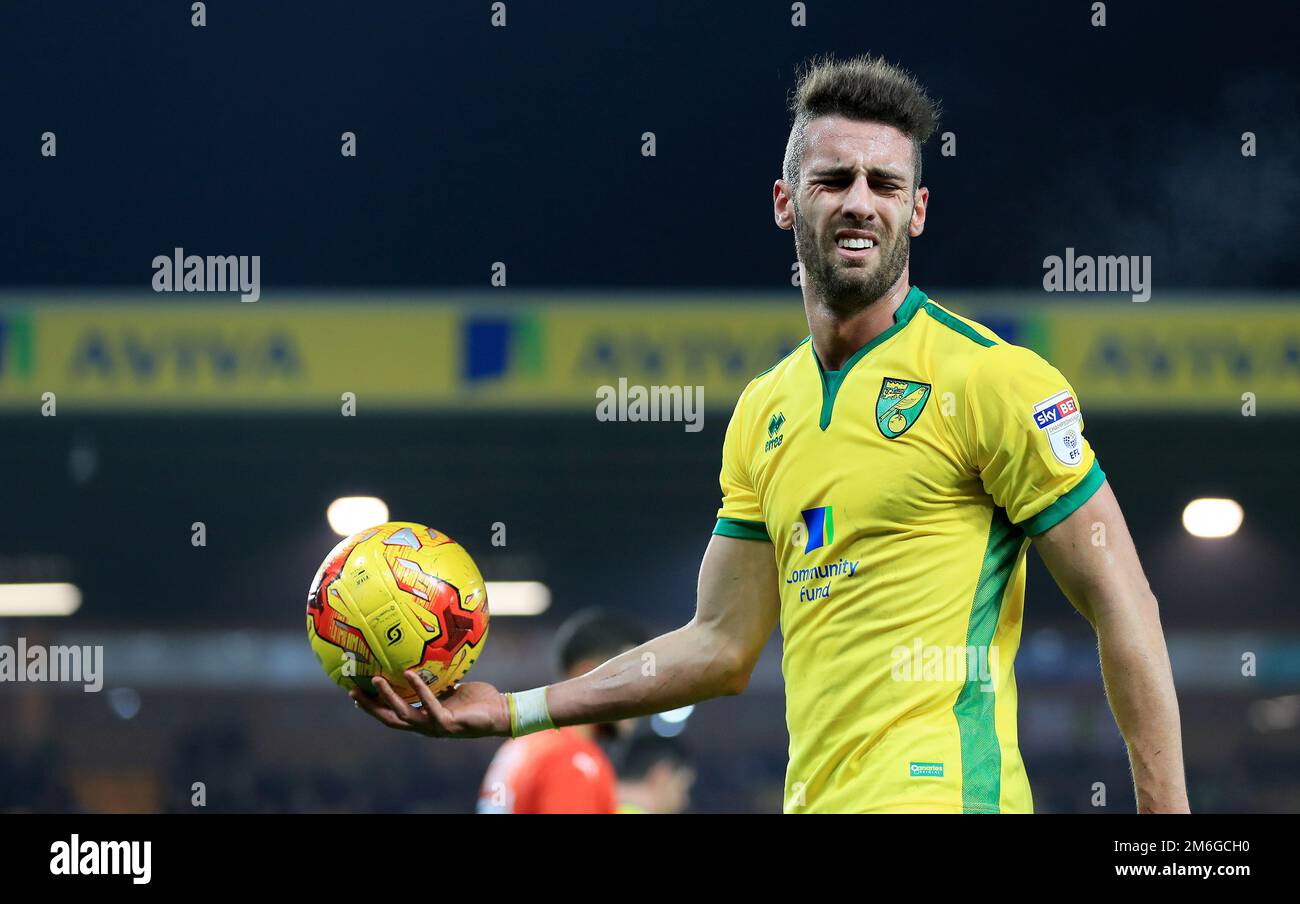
x=473, y=710
x=737, y=608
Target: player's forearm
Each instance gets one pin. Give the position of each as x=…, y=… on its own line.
x=1140, y=687
x=676, y=669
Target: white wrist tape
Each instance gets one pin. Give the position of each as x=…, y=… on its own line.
x=528, y=712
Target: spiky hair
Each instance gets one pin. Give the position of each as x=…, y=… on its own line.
x=863, y=88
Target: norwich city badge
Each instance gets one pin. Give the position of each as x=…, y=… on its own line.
x=899, y=404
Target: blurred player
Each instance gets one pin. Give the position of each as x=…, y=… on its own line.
x=564, y=771
x=654, y=776
x=881, y=486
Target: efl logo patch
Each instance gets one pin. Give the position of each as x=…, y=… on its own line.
x=1059, y=417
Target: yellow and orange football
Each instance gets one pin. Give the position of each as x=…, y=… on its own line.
x=394, y=597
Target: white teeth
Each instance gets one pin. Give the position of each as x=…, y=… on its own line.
x=856, y=243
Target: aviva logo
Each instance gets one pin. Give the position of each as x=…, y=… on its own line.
x=821, y=527
x=497, y=347
x=15, y=345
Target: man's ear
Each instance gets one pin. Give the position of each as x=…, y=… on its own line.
x=920, y=203
x=782, y=205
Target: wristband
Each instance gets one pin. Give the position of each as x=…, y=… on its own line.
x=528, y=712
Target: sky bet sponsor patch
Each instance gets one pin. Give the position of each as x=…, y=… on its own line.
x=1059, y=417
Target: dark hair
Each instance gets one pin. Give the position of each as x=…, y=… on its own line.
x=594, y=634
x=863, y=88
x=644, y=751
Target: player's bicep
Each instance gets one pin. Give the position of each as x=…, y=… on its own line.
x=737, y=598
x=1091, y=555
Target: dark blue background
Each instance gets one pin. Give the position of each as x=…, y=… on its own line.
x=522, y=144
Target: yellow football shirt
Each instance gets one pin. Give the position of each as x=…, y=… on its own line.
x=899, y=494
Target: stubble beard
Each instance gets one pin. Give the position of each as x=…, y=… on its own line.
x=846, y=290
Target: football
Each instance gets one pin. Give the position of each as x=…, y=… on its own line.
x=395, y=597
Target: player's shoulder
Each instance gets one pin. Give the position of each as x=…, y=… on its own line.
x=528, y=749
x=564, y=742
x=765, y=383
x=984, y=354
x=570, y=751
x=962, y=333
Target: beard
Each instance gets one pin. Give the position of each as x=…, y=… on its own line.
x=847, y=288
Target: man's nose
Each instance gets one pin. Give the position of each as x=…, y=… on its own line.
x=859, y=202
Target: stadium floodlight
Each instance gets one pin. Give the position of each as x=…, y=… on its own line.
x=349, y=514
x=1212, y=517
x=518, y=597
x=678, y=715
x=39, y=599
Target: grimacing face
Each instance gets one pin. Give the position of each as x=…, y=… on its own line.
x=854, y=210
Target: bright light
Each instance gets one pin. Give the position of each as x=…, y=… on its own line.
x=518, y=597
x=1212, y=517
x=353, y=513
x=39, y=599
x=678, y=715
x=665, y=729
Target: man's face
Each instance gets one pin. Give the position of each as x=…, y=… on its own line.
x=854, y=210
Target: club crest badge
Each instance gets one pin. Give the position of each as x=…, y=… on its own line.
x=899, y=404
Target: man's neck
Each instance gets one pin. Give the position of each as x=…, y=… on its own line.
x=835, y=339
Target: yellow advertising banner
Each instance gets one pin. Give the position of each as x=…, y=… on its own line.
x=552, y=353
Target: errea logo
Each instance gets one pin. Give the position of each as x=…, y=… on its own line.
x=774, y=434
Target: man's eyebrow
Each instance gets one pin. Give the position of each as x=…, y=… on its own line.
x=840, y=169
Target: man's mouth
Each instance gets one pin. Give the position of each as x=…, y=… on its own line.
x=853, y=246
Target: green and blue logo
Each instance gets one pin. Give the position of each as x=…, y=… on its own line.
x=15, y=345
x=493, y=348
x=821, y=527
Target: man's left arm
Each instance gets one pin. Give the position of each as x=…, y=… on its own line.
x=1091, y=555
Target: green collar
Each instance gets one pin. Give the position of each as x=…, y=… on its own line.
x=832, y=381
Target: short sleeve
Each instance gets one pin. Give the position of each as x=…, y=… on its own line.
x=1025, y=432
x=740, y=515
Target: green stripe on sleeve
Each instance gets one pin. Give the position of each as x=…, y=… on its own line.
x=741, y=530
x=1066, y=505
